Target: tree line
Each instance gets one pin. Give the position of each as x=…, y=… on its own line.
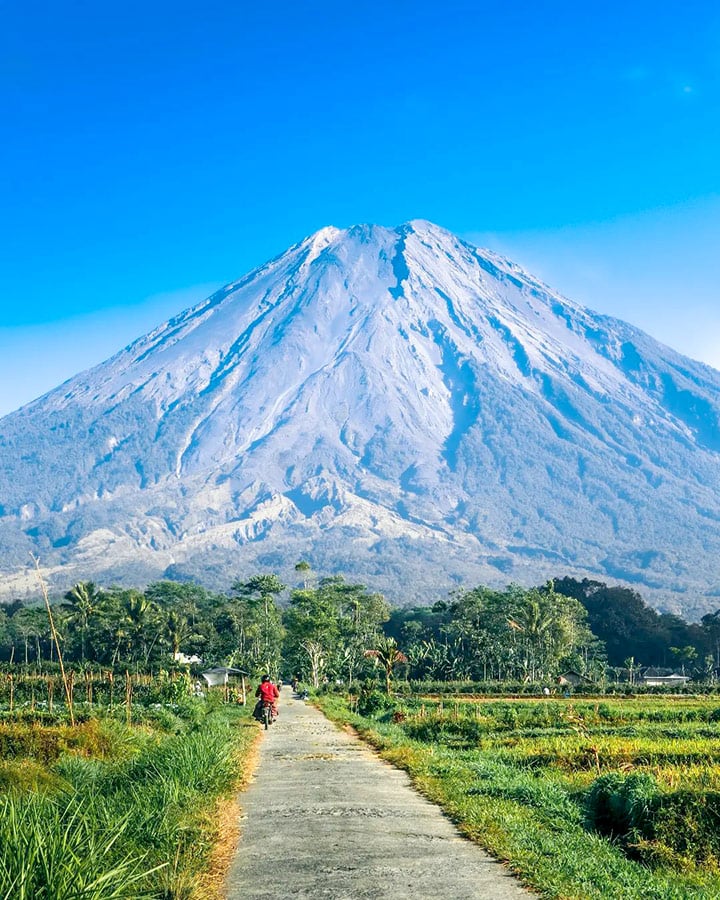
x=328, y=629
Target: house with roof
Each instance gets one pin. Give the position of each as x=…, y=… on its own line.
x=657, y=677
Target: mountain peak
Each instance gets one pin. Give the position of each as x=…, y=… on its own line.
x=384, y=401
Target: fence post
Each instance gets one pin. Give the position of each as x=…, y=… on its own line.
x=128, y=697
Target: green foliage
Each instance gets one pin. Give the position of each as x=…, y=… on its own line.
x=53, y=849
x=622, y=807
x=512, y=635
x=679, y=826
x=371, y=700
x=521, y=778
x=630, y=628
x=259, y=623
x=126, y=817
x=329, y=628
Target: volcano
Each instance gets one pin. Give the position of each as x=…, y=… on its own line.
x=391, y=403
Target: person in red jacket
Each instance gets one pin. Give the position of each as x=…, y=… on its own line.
x=267, y=692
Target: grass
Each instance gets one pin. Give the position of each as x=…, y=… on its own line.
x=579, y=809
x=108, y=811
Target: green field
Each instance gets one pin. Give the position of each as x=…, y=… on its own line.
x=109, y=809
x=583, y=798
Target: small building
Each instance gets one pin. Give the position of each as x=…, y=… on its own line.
x=654, y=677
x=220, y=676
x=186, y=660
x=571, y=678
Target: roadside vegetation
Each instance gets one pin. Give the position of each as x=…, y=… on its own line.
x=107, y=809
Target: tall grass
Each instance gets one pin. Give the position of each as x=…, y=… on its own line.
x=135, y=822
x=54, y=850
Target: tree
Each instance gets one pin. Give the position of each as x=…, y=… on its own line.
x=361, y=616
x=533, y=618
x=312, y=632
x=685, y=656
x=30, y=624
x=83, y=600
x=619, y=617
x=260, y=620
x=177, y=629
x=304, y=568
x=388, y=655
x=711, y=626
x=315, y=653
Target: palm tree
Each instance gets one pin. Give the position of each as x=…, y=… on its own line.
x=177, y=629
x=388, y=654
x=83, y=600
x=136, y=616
x=534, y=620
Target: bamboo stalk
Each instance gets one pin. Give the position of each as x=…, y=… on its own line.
x=68, y=687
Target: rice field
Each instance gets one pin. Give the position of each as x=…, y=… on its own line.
x=614, y=797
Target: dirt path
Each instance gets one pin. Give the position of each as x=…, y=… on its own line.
x=325, y=818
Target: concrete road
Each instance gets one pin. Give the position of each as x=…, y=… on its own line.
x=325, y=818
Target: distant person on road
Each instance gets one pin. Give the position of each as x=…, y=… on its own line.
x=267, y=692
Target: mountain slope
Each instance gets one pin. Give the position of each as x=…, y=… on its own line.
x=394, y=403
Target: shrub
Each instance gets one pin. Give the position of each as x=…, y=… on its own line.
x=372, y=701
x=623, y=807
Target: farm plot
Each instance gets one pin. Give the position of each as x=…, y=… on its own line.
x=584, y=799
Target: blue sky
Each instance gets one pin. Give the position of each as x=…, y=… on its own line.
x=152, y=151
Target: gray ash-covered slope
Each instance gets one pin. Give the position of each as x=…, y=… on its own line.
x=391, y=403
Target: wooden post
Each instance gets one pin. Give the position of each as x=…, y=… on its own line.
x=12, y=691
x=111, y=682
x=244, y=690
x=128, y=697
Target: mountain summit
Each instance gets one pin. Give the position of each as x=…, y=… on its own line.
x=393, y=403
